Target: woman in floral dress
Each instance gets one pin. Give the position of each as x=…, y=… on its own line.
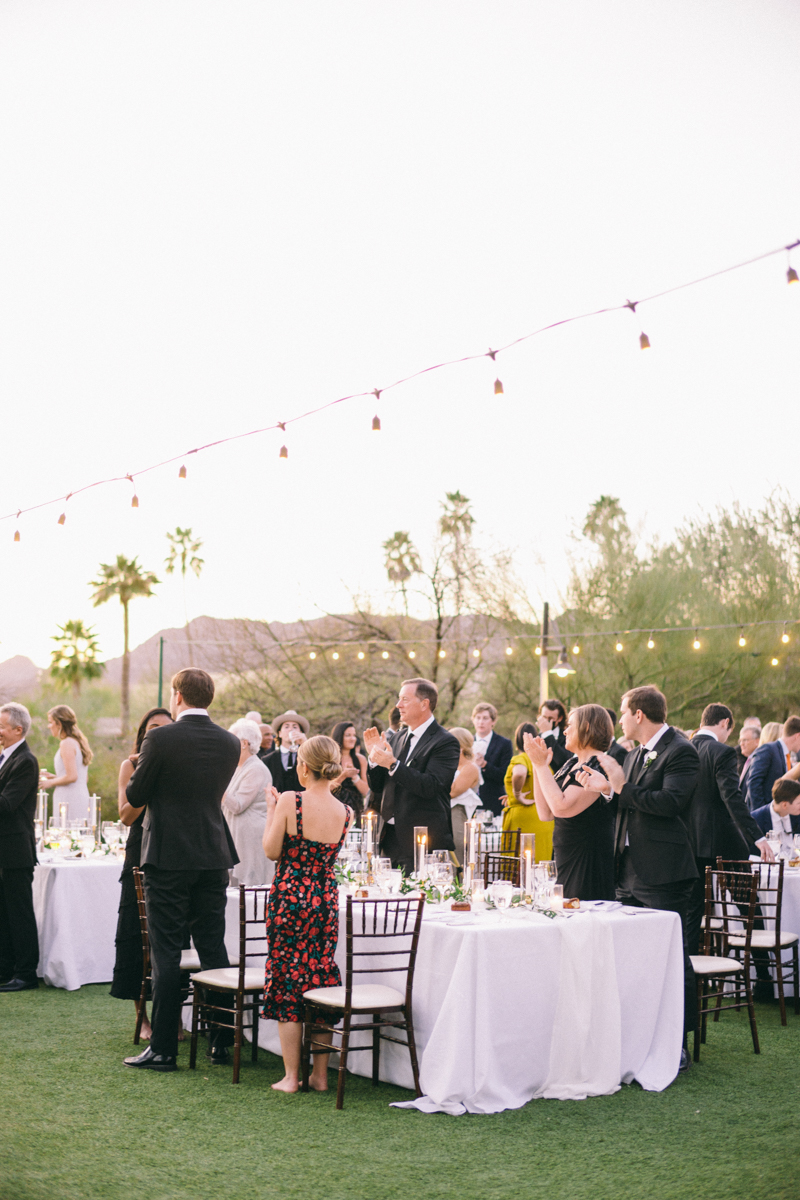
x=304, y=834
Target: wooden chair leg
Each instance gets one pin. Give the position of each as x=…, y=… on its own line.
x=796, y=980
x=195, y=1015
x=752, y=1013
x=376, y=1049
x=412, y=1049
x=305, y=1049
x=701, y=987
x=237, y=1035
x=140, y=1007
x=779, y=976
x=254, y=1018
x=720, y=991
x=343, y=1062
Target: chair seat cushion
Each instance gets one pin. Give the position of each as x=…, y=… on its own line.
x=714, y=923
x=708, y=964
x=190, y=960
x=366, y=997
x=226, y=979
x=764, y=939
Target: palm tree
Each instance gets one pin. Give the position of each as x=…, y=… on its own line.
x=183, y=550
x=76, y=655
x=401, y=560
x=125, y=579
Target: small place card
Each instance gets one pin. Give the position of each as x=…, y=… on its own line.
x=460, y=906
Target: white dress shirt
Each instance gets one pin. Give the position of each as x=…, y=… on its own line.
x=781, y=825
x=481, y=744
x=9, y=750
x=192, y=712
x=704, y=731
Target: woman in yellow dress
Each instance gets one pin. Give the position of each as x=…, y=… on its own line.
x=520, y=812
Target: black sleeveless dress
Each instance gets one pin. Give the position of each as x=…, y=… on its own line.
x=583, y=845
x=127, y=979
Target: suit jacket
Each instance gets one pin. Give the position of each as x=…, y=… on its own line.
x=561, y=755
x=617, y=752
x=763, y=819
x=768, y=764
x=420, y=790
x=19, y=783
x=181, y=776
x=651, y=810
x=498, y=756
x=720, y=824
x=282, y=779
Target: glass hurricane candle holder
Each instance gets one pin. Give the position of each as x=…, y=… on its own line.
x=420, y=849
x=472, y=847
x=527, y=865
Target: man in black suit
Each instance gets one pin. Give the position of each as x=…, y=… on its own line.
x=291, y=730
x=771, y=762
x=491, y=755
x=615, y=750
x=654, y=863
x=552, y=723
x=187, y=851
x=718, y=819
x=412, y=781
x=19, y=783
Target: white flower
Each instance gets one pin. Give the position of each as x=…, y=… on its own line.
x=649, y=758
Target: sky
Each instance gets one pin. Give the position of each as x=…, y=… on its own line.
x=215, y=216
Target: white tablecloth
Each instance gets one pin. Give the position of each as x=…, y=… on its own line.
x=76, y=903
x=508, y=1010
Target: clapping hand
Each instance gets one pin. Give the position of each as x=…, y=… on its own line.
x=537, y=751
x=273, y=797
x=379, y=751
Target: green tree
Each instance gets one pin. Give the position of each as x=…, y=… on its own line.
x=402, y=561
x=183, y=550
x=76, y=656
x=123, y=579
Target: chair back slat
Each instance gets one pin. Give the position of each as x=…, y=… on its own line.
x=382, y=921
x=500, y=866
x=509, y=842
x=253, y=904
x=138, y=883
x=769, y=878
x=732, y=899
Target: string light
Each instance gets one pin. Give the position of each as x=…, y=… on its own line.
x=696, y=642
x=644, y=343
x=135, y=501
x=774, y=662
x=618, y=647
x=742, y=639
x=182, y=473
x=312, y=655
x=509, y=650
x=385, y=654
x=335, y=656
x=62, y=519
x=412, y=654
x=361, y=654
x=784, y=636
x=650, y=643
x=16, y=535
x=376, y=423
x=442, y=654
x=476, y=653
x=576, y=649
x=537, y=650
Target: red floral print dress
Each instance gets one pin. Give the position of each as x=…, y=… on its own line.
x=302, y=922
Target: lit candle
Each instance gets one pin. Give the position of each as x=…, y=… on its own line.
x=63, y=809
x=527, y=856
x=528, y=874
x=420, y=846
x=41, y=807
x=369, y=840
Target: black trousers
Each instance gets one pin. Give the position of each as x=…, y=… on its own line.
x=179, y=902
x=19, y=938
x=390, y=846
x=668, y=897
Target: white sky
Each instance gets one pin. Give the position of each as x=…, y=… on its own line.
x=217, y=215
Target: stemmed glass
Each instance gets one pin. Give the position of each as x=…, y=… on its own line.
x=502, y=891
x=381, y=868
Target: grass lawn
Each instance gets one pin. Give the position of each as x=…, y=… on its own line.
x=75, y=1123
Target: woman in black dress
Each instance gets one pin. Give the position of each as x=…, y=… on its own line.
x=583, y=838
x=351, y=786
x=127, y=981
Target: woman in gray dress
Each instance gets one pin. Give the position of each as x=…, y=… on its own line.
x=245, y=807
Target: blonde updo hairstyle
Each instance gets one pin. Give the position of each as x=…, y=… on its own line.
x=322, y=756
x=465, y=739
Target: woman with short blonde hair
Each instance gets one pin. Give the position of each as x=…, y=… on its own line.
x=70, y=781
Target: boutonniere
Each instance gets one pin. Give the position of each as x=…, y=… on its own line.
x=649, y=758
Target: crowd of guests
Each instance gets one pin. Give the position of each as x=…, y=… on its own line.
x=637, y=819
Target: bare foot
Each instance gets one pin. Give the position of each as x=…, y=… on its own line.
x=146, y=1032
x=181, y=1034
x=286, y=1085
x=318, y=1085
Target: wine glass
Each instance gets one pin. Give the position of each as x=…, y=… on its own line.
x=86, y=841
x=64, y=841
x=502, y=891
x=381, y=868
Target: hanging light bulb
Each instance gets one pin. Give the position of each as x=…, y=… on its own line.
x=562, y=668
x=476, y=653
x=62, y=518
x=283, y=452
x=696, y=642
x=412, y=654
x=182, y=473
x=742, y=639
x=385, y=654
x=650, y=643
x=498, y=388
x=335, y=656
x=16, y=535
x=784, y=636
x=376, y=423
x=791, y=275
x=774, y=662
x=135, y=501
x=312, y=655
x=361, y=654
x=644, y=341
x=576, y=649
x=509, y=649
x=537, y=650
x=442, y=654
x=618, y=647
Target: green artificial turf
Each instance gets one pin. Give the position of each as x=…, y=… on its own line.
x=76, y=1123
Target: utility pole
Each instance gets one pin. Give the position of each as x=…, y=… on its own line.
x=160, y=671
x=544, y=683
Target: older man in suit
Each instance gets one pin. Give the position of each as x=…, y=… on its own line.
x=719, y=821
x=770, y=762
x=654, y=863
x=411, y=780
x=19, y=783
x=187, y=850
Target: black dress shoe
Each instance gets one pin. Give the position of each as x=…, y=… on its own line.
x=19, y=985
x=148, y=1061
x=686, y=1062
x=218, y=1056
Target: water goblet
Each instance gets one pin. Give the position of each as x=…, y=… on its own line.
x=381, y=869
x=502, y=891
